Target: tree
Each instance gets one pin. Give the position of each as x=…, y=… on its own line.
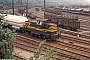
x=6, y=43
x=50, y=54
x=1, y=6
x=8, y=2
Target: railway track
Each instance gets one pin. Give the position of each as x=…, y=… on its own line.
x=67, y=51
x=17, y=57
x=76, y=39
x=75, y=33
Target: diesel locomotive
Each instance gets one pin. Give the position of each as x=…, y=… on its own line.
x=41, y=28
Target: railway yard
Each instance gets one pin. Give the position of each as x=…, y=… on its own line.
x=72, y=45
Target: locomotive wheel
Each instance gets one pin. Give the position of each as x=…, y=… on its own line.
x=64, y=27
x=35, y=35
x=32, y=34
x=60, y=26
x=73, y=29
x=21, y=30
x=43, y=37
x=27, y=32
x=39, y=36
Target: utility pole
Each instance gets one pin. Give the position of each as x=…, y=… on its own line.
x=44, y=9
x=89, y=17
x=26, y=8
x=18, y=5
x=21, y=3
x=13, y=6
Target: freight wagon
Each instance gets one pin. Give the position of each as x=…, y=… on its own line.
x=65, y=21
x=84, y=11
x=69, y=24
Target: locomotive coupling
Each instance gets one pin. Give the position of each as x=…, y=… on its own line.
x=55, y=36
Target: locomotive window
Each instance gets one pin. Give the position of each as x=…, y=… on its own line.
x=39, y=23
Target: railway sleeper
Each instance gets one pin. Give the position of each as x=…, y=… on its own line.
x=28, y=40
x=16, y=57
x=79, y=50
x=75, y=40
x=25, y=44
x=68, y=55
x=75, y=57
x=70, y=42
x=82, y=49
x=61, y=57
x=86, y=50
x=79, y=54
x=26, y=48
x=75, y=47
x=29, y=45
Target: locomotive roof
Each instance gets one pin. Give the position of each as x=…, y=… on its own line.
x=32, y=21
x=52, y=24
x=38, y=19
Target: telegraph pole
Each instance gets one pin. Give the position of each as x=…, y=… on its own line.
x=18, y=5
x=13, y=6
x=44, y=9
x=89, y=20
x=21, y=3
x=26, y=8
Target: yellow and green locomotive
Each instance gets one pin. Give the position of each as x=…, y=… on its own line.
x=42, y=29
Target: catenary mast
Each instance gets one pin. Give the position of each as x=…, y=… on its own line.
x=44, y=9
x=26, y=8
x=13, y=6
